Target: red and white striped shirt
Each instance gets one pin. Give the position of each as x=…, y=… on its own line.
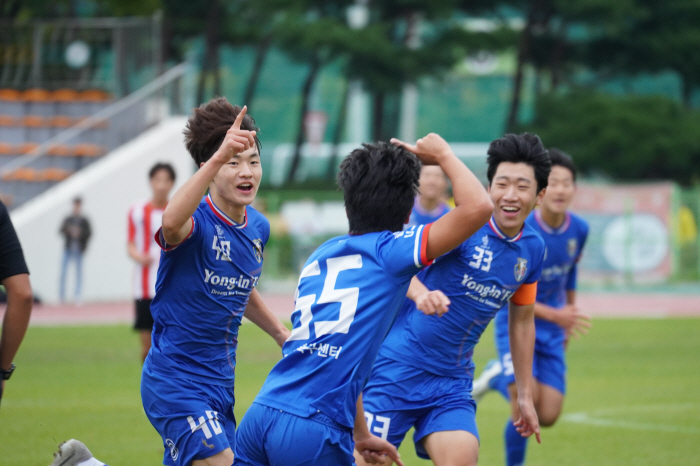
x=144, y=221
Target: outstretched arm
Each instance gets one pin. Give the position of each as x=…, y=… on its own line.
x=373, y=449
x=521, y=331
x=257, y=312
x=473, y=207
x=177, y=217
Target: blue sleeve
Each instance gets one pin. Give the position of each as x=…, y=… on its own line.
x=571, y=280
x=189, y=239
x=537, y=261
x=404, y=253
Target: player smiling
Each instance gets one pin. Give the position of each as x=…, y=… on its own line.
x=211, y=261
x=309, y=411
x=557, y=316
x=422, y=376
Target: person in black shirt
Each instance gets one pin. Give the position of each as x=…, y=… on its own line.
x=14, y=276
x=76, y=231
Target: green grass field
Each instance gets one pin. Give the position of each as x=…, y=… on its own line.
x=633, y=397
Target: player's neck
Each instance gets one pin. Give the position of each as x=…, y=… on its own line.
x=428, y=204
x=553, y=219
x=235, y=212
x=509, y=232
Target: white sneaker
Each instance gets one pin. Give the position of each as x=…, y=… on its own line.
x=71, y=453
x=480, y=387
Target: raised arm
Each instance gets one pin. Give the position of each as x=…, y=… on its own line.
x=257, y=312
x=177, y=217
x=473, y=208
x=521, y=331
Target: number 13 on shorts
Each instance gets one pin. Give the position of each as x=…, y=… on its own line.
x=378, y=425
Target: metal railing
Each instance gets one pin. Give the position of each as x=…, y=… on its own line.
x=77, y=146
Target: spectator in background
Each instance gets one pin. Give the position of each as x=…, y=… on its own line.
x=76, y=231
x=430, y=203
x=14, y=276
x=145, y=217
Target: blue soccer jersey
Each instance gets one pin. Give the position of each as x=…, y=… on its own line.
x=564, y=247
x=202, y=290
x=562, y=252
x=479, y=277
x=420, y=216
x=349, y=293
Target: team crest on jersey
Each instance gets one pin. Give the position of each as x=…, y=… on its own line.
x=257, y=249
x=572, y=246
x=520, y=269
x=485, y=241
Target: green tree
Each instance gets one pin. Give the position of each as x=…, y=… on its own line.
x=660, y=35
x=626, y=137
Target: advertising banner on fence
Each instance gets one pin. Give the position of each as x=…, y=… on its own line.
x=630, y=232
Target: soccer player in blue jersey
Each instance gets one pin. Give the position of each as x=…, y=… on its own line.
x=309, y=410
x=557, y=316
x=430, y=203
x=211, y=262
x=422, y=376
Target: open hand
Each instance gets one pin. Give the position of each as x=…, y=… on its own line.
x=574, y=322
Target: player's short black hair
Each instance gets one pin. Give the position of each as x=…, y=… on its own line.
x=207, y=127
x=562, y=159
x=379, y=183
x=161, y=166
x=524, y=148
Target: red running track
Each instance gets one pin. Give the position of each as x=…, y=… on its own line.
x=613, y=305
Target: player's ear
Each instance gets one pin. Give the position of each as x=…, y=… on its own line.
x=201, y=164
x=540, y=195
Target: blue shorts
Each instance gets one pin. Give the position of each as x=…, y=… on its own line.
x=398, y=397
x=269, y=436
x=196, y=421
x=548, y=363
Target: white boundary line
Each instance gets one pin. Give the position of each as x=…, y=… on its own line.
x=601, y=418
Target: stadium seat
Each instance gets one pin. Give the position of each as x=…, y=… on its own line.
x=63, y=156
x=27, y=147
x=37, y=129
x=38, y=102
x=94, y=100
x=11, y=131
x=88, y=150
x=20, y=174
x=60, y=123
x=53, y=174
x=68, y=103
x=11, y=102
